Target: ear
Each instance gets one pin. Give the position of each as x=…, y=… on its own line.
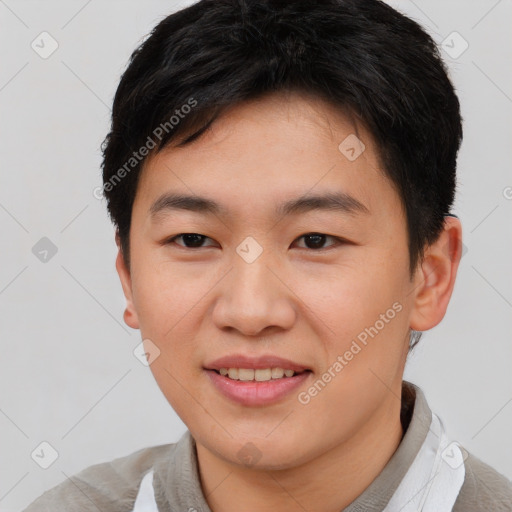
x=130, y=315
x=435, y=277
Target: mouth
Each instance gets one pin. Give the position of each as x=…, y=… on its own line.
x=258, y=374
x=257, y=387
x=243, y=366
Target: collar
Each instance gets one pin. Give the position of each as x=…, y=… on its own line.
x=425, y=472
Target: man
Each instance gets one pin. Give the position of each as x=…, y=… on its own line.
x=281, y=176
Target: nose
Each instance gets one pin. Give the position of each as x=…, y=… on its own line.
x=254, y=297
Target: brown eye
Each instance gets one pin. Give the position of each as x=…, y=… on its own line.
x=190, y=240
x=317, y=240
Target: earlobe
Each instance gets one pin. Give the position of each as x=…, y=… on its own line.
x=435, y=279
x=130, y=315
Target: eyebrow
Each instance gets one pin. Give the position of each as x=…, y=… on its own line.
x=339, y=202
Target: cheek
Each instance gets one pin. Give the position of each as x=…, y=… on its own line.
x=180, y=387
x=170, y=304
x=165, y=294
x=358, y=312
x=341, y=298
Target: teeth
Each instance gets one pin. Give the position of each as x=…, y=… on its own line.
x=277, y=373
x=245, y=374
x=260, y=375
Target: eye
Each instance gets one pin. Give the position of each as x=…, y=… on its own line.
x=314, y=240
x=191, y=240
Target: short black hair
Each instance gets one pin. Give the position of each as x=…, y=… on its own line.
x=362, y=56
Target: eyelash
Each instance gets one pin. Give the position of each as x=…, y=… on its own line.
x=337, y=239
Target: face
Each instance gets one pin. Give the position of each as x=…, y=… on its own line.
x=323, y=285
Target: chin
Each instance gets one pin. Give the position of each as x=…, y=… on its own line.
x=259, y=452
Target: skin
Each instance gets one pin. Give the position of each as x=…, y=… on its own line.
x=297, y=301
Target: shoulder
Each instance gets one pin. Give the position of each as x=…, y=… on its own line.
x=108, y=486
x=484, y=489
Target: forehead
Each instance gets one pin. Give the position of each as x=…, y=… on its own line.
x=262, y=155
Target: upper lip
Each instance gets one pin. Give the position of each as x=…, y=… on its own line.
x=259, y=362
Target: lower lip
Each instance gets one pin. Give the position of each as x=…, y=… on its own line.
x=255, y=392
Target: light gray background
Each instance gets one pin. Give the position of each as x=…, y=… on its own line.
x=68, y=375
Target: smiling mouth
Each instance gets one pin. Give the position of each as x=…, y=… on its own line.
x=257, y=375
x=257, y=387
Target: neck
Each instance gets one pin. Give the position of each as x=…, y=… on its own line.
x=327, y=483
